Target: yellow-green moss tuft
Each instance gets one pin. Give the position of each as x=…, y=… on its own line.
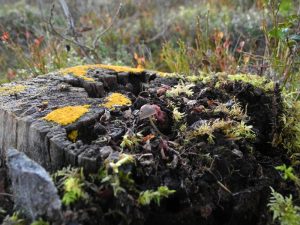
x=67, y=115
x=167, y=75
x=73, y=135
x=116, y=99
x=10, y=90
x=255, y=80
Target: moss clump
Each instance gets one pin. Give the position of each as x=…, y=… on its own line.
x=116, y=99
x=73, y=135
x=81, y=71
x=255, y=80
x=232, y=129
x=166, y=75
x=10, y=90
x=290, y=119
x=67, y=115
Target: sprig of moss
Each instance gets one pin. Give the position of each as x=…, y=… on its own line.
x=124, y=159
x=181, y=88
x=241, y=130
x=14, y=219
x=283, y=209
x=131, y=140
x=177, y=116
x=71, y=180
x=73, y=190
x=40, y=222
x=288, y=174
x=230, y=128
x=116, y=179
x=148, y=196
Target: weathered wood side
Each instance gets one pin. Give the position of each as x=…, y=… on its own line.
x=21, y=116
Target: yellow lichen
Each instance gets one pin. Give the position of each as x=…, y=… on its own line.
x=10, y=90
x=116, y=99
x=120, y=68
x=73, y=135
x=81, y=71
x=67, y=115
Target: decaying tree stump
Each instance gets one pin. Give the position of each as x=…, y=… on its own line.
x=24, y=106
x=209, y=141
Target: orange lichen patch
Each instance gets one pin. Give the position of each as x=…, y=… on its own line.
x=10, y=90
x=116, y=99
x=67, y=115
x=73, y=135
x=80, y=71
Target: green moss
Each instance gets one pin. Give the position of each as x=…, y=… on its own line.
x=40, y=222
x=290, y=134
x=146, y=197
x=232, y=130
x=181, y=88
x=255, y=80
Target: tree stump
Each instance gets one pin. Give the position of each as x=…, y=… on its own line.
x=24, y=105
x=210, y=141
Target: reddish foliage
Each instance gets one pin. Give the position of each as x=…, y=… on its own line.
x=38, y=41
x=5, y=36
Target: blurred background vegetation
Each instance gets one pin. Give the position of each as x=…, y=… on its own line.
x=190, y=37
x=183, y=36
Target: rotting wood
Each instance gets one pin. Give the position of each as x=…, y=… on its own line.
x=21, y=115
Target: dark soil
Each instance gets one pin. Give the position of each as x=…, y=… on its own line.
x=227, y=182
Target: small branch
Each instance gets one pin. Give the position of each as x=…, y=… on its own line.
x=69, y=18
x=85, y=49
x=109, y=26
x=6, y=194
x=155, y=37
x=155, y=127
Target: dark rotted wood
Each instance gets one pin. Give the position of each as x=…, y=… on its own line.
x=22, y=126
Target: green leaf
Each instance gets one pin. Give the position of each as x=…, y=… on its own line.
x=278, y=33
x=285, y=6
